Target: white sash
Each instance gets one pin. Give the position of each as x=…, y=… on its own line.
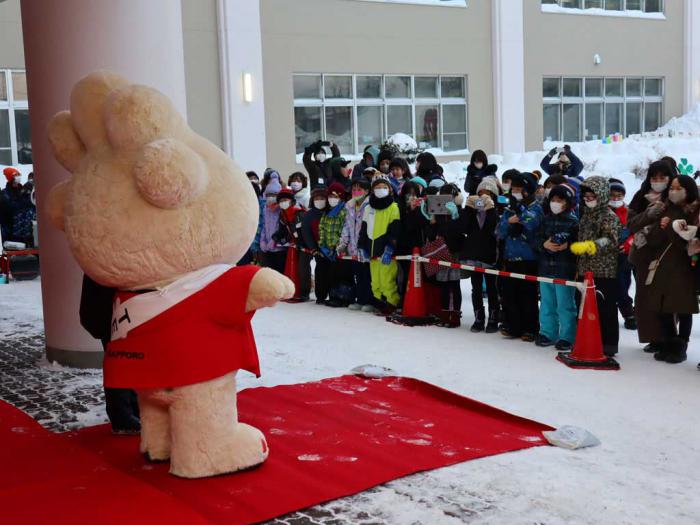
x=143, y=307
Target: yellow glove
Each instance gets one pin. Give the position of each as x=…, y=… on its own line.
x=584, y=248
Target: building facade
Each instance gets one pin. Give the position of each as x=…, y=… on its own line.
x=267, y=77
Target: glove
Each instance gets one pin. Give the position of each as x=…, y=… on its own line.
x=452, y=208
x=584, y=248
x=515, y=230
x=386, y=257
x=328, y=253
x=363, y=253
x=552, y=152
x=602, y=242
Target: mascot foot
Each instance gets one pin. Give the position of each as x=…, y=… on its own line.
x=246, y=450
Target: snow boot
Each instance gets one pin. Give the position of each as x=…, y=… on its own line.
x=355, y=307
x=676, y=351
x=479, y=321
x=368, y=308
x=564, y=346
x=492, y=325
x=653, y=348
x=630, y=323
x=543, y=341
x=527, y=337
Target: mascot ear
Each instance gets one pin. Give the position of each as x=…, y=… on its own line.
x=56, y=203
x=169, y=174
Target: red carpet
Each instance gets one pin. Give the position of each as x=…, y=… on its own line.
x=328, y=439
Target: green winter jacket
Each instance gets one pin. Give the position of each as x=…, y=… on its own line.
x=330, y=227
x=380, y=228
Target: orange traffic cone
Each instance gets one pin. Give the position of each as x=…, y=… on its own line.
x=415, y=311
x=291, y=271
x=588, y=350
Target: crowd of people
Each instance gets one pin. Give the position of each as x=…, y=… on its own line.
x=17, y=208
x=551, y=222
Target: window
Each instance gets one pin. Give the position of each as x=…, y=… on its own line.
x=15, y=133
x=577, y=109
x=357, y=110
x=647, y=6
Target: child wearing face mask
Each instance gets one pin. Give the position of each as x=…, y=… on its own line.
x=384, y=161
x=624, y=269
x=399, y=173
x=597, y=251
x=671, y=292
x=330, y=231
x=310, y=235
x=289, y=232
x=478, y=169
x=273, y=254
x=518, y=227
x=413, y=224
x=348, y=245
x=558, y=231
x=299, y=185
x=378, y=239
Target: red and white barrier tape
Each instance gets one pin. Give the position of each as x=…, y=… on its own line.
x=355, y=258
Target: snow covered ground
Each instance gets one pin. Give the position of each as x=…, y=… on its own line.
x=647, y=416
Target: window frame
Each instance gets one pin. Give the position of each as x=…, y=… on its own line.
x=12, y=105
x=385, y=103
x=623, y=7
x=603, y=99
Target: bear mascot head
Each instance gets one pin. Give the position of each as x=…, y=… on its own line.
x=162, y=215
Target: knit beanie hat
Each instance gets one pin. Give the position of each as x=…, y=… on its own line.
x=10, y=173
x=530, y=182
x=618, y=185
x=420, y=181
x=336, y=189
x=319, y=193
x=489, y=184
x=285, y=193
x=382, y=179
x=563, y=191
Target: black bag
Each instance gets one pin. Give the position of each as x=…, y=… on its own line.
x=24, y=267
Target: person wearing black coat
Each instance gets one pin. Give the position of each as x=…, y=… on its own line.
x=427, y=167
x=96, y=317
x=478, y=169
x=478, y=222
x=568, y=164
x=318, y=205
x=319, y=167
x=413, y=224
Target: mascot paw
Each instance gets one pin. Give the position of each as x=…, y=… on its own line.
x=267, y=288
x=246, y=450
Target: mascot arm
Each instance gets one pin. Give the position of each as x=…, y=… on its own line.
x=267, y=288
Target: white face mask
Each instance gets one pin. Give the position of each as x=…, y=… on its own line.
x=677, y=196
x=285, y=204
x=320, y=157
x=320, y=204
x=333, y=201
x=296, y=186
x=506, y=186
x=517, y=196
x=592, y=204
x=547, y=192
x=459, y=199
x=556, y=207
x=616, y=204
x=478, y=165
x=659, y=186
x=381, y=193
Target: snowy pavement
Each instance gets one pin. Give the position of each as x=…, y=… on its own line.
x=647, y=415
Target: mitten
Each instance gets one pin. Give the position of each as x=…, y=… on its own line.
x=452, y=208
x=328, y=253
x=386, y=256
x=584, y=248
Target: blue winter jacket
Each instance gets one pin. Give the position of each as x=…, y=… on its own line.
x=520, y=238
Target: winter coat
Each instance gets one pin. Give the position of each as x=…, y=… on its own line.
x=561, y=265
x=16, y=214
x=411, y=234
x=520, y=237
x=302, y=197
x=350, y=236
x=319, y=172
x=672, y=290
x=310, y=224
x=271, y=223
x=475, y=176
x=360, y=167
x=331, y=227
x=596, y=224
x=255, y=247
x=289, y=226
x=574, y=169
x=449, y=230
x=479, y=226
x=381, y=225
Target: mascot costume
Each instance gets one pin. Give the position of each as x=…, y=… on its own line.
x=161, y=214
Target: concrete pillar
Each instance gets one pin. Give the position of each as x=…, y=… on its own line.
x=691, y=49
x=240, y=54
x=508, y=75
x=63, y=41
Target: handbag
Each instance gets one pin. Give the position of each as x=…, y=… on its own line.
x=654, y=265
x=436, y=249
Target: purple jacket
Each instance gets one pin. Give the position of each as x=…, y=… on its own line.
x=271, y=223
x=351, y=230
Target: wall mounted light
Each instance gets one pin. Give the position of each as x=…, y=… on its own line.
x=596, y=59
x=248, y=87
